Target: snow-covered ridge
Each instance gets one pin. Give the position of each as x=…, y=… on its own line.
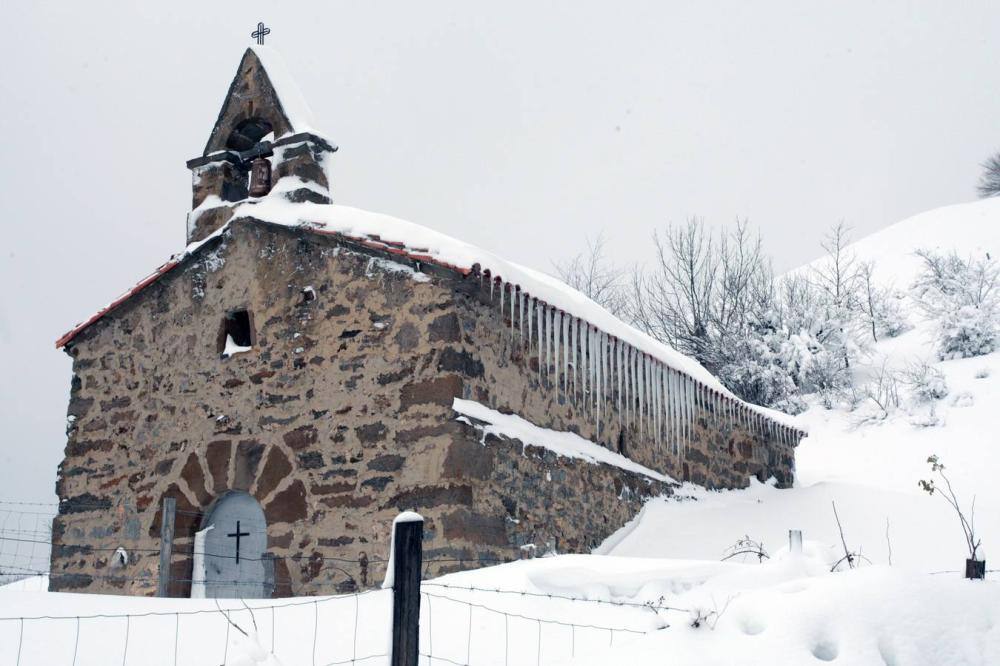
x=972, y=230
x=565, y=444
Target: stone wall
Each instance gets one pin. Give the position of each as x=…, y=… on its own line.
x=502, y=371
x=339, y=417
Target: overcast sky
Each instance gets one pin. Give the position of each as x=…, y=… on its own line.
x=523, y=127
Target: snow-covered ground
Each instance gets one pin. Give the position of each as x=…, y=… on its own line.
x=639, y=598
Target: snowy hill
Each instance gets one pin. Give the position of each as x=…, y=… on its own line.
x=970, y=229
x=656, y=591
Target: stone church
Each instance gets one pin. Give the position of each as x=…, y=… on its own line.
x=303, y=371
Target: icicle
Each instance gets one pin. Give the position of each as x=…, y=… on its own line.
x=619, y=350
x=651, y=378
x=556, y=334
x=539, y=315
x=627, y=377
x=572, y=357
x=672, y=408
x=668, y=416
x=590, y=367
x=634, y=386
x=531, y=319
x=640, y=393
x=682, y=420
x=491, y=290
x=651, y=399
x=565, y=337
x=676, y=406
x=638, y=390
x=502, y=289
x=520, y=309
x=599, y=357
x=581, y=342
x=665, y=383
x=550, y=364
x=513, y=312
x=691, y=408
x=685, y=411
x=658, y=392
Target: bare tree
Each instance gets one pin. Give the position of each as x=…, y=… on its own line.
x=703, y=290
x=838, y=275
x=870, y=296
x=594, y=275
x=989, y=181
x=968, y=522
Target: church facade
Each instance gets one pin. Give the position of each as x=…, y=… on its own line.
x=304, y=371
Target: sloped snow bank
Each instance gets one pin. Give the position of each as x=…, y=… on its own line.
x=566, y=444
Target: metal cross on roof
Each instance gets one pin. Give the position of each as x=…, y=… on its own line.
x=260, y=33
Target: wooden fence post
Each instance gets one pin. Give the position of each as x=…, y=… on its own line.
x=166, y=545
x=407, y=562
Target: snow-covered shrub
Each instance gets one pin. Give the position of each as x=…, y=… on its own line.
x=963, y=298
x=967, y=331
x=926, y=417
x=982, y=373
x=756, y=370
x=925, y=382
x=890, y=315
x=882, y=394
x=880, y=308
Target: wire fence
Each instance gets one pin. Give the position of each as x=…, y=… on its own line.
x=318, y=631
x=326, y=631
x=460, y=625
x=25, y=539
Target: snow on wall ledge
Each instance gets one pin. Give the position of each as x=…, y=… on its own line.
x=566, y=444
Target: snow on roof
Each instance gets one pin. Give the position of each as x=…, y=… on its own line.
x=293, y=104
x=400, y=237
x=417, y=240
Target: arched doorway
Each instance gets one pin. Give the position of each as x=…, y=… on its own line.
x=235, y=540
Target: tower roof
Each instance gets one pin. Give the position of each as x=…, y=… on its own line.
x=263, y=98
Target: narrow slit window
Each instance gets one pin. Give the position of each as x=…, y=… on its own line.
x=236, y=334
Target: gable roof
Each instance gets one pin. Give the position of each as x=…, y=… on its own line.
x=400, y=239
x=262, y=88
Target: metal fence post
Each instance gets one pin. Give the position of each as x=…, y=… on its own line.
x=166, y=545
x=407, y=562
x=795, y=541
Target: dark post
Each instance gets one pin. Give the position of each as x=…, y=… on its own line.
x=166, y=545
x=975, y=569
x=406, y=564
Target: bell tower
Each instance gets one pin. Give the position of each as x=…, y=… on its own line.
x=263, y=145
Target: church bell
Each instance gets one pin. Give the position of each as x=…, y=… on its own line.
x=260, y=177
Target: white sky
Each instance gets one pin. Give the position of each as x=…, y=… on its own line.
x=519, y=126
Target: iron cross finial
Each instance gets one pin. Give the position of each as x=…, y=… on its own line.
x=260, y=33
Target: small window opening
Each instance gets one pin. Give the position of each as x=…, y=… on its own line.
x=236, y=333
